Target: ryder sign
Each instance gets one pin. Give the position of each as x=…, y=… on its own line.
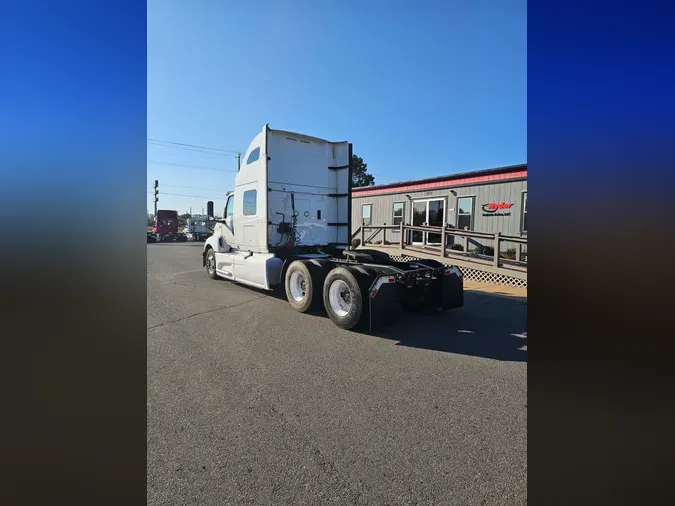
x=495, y=209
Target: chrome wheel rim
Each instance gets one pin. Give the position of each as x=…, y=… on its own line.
x=210, y=263
x=340, y=298
x=297, y=286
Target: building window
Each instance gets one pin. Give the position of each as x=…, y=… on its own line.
x=250, y=197
x=465, y=213
x=255, y=154
x=524, y=218
x=398, y=213
x=365, y=214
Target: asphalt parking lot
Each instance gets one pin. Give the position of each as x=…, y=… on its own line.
x=250, y=402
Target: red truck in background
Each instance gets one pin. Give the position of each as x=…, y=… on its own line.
x=166, y=227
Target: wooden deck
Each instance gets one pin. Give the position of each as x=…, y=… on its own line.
x=507, y=267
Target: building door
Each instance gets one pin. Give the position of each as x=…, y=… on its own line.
x=419, y=216
x=435, y=218
x=431, y=212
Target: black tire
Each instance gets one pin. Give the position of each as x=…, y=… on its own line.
x=303, y=286
x=353, y=299
x=211, y=264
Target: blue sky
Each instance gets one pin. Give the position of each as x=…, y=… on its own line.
x=420, y=88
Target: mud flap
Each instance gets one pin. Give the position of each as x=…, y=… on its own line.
x=453, y=289
x=383, y=305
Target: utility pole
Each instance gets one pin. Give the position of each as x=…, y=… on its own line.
x=238, y=161
x=156, y=193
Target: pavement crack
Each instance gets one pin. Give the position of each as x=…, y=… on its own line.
x=203, y=312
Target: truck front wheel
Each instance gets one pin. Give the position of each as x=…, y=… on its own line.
x=211, y=264
x=342, y=298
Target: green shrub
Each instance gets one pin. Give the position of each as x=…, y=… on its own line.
x=356, y=243
x=457, y=247
x=485, y=250
x=510, y=254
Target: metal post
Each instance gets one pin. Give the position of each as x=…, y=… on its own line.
x=496, y=247
x=401, y=238
x=156, y=193
x=465, y=241
x=519, y=251
x=363, y=233
x=443, y=239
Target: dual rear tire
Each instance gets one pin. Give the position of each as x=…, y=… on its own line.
x=343, y=297
x=303, y=285
x=342, y=291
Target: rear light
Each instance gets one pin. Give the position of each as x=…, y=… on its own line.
x=379, y=283
x=454, y=270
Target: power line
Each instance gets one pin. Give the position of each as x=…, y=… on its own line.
x=193, y=196
x=194, y=150
x=219, y=151
x=203, y=167
x=195, y=146
x=195, y=188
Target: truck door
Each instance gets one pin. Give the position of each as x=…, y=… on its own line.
x=228, y=228
x=246, y=235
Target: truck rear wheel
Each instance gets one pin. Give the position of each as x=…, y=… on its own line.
x=343, y=298
x=303, y=287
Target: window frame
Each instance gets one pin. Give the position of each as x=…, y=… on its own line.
x=393, y=212
x=227, y=203
x=370, y=215
x=257, y=153
x=243, y=203
x=523, y=213
x=472, y=220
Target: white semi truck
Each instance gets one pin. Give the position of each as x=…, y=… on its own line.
x=196, y=228
x=287, y=223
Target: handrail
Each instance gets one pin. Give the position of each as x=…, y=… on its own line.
x=444, y=231
x=383, y=227
x=450, y=231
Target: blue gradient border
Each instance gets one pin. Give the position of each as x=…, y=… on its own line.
x=601, y=160
x=72, y=199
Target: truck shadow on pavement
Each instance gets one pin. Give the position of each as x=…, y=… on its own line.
x=488, y=326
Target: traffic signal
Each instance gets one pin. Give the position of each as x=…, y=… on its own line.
x=156, y=190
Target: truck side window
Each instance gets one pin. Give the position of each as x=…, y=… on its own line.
x=229, y=207
x=255, y=154
x=250, y=197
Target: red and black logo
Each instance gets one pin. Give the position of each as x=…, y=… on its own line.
x=493, y=207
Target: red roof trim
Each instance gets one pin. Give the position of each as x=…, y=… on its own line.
x=440, y=184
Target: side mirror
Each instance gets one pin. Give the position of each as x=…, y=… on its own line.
x=209, y=210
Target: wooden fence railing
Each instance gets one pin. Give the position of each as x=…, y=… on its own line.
x=441, y=249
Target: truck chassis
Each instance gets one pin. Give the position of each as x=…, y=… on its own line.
x=362, y=288
x=171, y=237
